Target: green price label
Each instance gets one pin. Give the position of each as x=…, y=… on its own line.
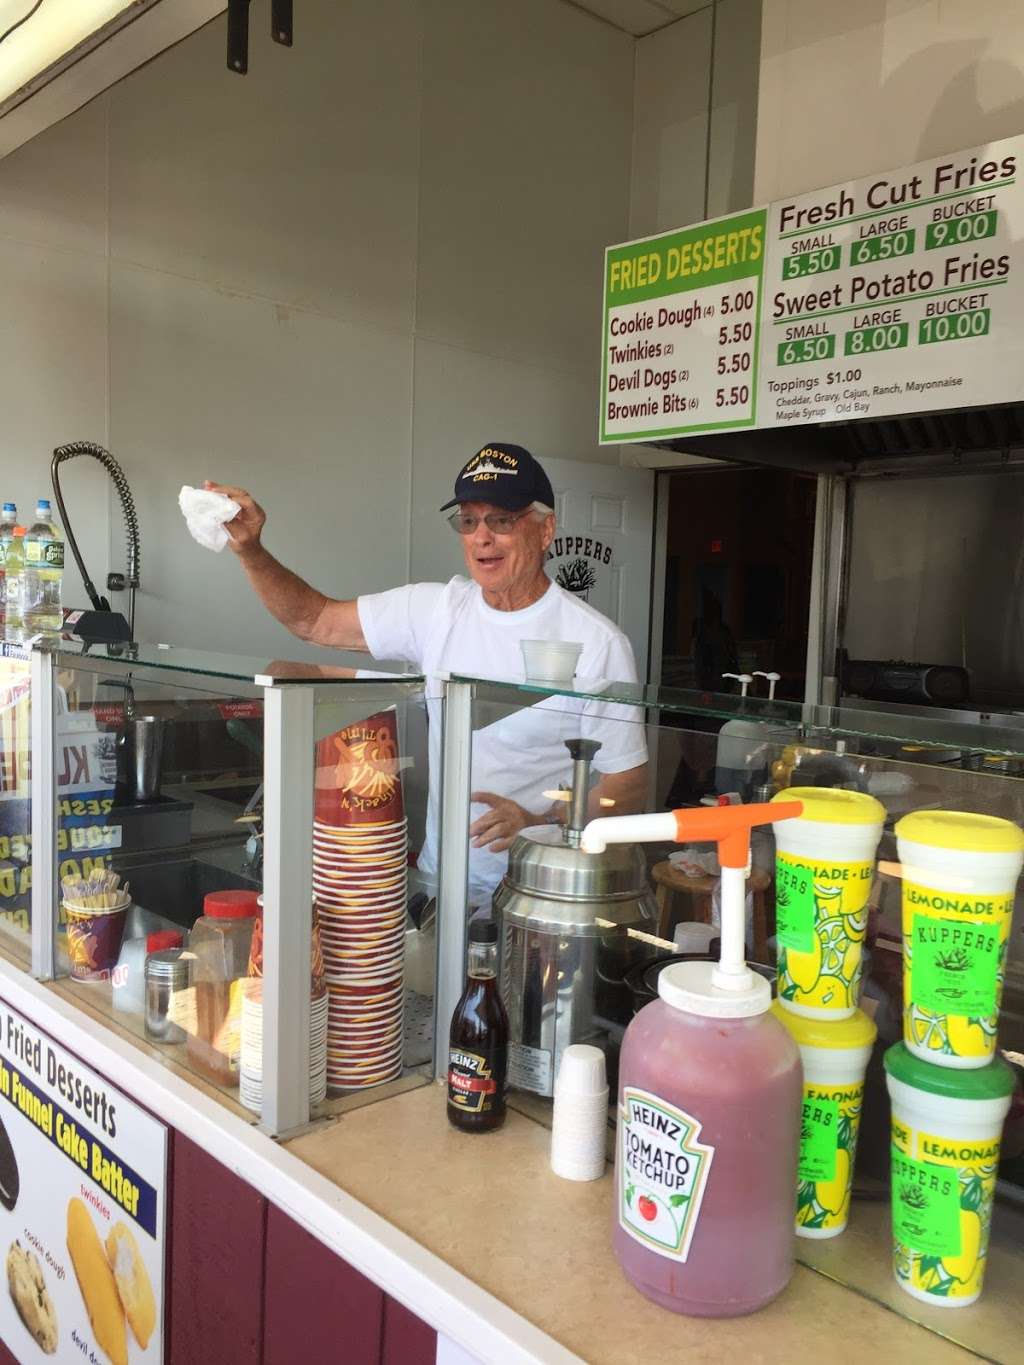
x=794, y=904
x=955, y=326
x=804, y=349
x=819, y=1139
x=868, y=339
x=960, y=230
x=925, y=1206
x=811, y=263
x=884, y=248
x=954, y=966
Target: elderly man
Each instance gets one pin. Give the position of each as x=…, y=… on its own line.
x=504, y=513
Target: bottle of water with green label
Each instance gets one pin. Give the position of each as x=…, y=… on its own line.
x=44, y=573
x=8, y=521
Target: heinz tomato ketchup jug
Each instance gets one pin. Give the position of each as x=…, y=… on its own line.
x=710, y=1090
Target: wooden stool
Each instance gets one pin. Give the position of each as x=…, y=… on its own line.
x=669, y=882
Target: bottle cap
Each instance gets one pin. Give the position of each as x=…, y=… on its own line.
x=582, y=1071
x=690, y=986
x=483, y=931
x=43, y=504
x=10, y=507
x=163, y=938
x=231, y=905
x=19, y=530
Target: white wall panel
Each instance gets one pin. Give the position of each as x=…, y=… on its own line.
x=295, y=183
x=734, y=106
x=524, y=177
x=53, y=369
x=311, y=414
x=848, y=89
x=54, y=189
x=670, y=126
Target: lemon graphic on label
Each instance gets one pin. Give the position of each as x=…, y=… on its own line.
x=928, y=1030
x=967, y=1037
x=805, y=968
x=832, y=1193
x=963, y=1266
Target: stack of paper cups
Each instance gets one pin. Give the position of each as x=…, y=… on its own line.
x=580, y=1121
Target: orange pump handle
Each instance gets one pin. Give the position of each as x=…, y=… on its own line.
x=730, y=826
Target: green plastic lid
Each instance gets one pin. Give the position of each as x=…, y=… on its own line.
x=992, y=1082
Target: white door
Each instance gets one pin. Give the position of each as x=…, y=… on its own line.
x=602, y=547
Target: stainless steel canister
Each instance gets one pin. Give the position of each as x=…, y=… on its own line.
x=168, y=977
x=565, y=946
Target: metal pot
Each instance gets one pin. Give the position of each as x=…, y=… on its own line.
x=140, y=751
x=564, y=917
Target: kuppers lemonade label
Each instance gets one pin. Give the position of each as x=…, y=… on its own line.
x=828, y=1143
x=954, y=957
x=821, y=914
x=942, y=1191
x=663, y=1173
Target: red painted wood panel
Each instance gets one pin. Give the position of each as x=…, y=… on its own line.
x=408, y=1340
x=215, y=1272
x=317, y=1306
x=5, y=1356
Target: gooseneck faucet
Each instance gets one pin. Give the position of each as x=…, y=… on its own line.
x=115, y=581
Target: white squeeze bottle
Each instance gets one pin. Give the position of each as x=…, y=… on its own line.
x=44, y=572
x=8, y=521
x=710, y=1103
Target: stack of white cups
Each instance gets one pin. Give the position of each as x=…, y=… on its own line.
x=580, y=1120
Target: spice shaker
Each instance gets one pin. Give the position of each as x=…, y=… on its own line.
x=580, y=1119
x=168, y=974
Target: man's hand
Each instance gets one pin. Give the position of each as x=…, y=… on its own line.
x=245, y=529
x=496, y=828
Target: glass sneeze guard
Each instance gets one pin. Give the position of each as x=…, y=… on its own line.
x=196, y=779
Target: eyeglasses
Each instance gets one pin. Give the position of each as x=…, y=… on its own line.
x=501, y=523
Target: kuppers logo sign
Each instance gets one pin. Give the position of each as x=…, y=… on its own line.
x=489, y=464
x=580, y=557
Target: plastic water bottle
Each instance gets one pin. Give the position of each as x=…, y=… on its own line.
x=14, y=584
x=8, y=521
x=44, y=573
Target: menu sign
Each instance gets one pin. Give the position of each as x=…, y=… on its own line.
x=681, y=321
x=898, y=293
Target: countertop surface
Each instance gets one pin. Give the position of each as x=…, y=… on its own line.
x=491, y=1207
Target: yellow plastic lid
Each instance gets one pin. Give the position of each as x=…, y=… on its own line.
x=835, y=805
x=856, y=1031
x=961, y=830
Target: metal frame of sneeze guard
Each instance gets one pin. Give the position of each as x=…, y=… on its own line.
x=295, y=715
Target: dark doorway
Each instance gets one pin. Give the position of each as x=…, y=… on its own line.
x=738, y=577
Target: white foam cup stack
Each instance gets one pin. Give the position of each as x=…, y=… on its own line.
x=580, y=1119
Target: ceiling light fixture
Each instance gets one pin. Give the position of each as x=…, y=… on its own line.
x=39, y=41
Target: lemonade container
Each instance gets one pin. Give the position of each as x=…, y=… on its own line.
x=835, y=1055
x=946, y=1127
x=959, y=876
x=824, y=863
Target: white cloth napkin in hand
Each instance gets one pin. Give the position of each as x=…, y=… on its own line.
x=205, y=513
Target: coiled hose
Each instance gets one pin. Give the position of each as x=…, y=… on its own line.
x=131, y=520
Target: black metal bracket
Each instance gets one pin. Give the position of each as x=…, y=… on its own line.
x=238, y=31
x=238, y=36
x=281, y=22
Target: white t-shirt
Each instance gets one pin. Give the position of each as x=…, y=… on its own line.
x=446, y=628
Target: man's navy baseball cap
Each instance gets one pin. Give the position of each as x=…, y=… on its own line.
x=503, y=475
